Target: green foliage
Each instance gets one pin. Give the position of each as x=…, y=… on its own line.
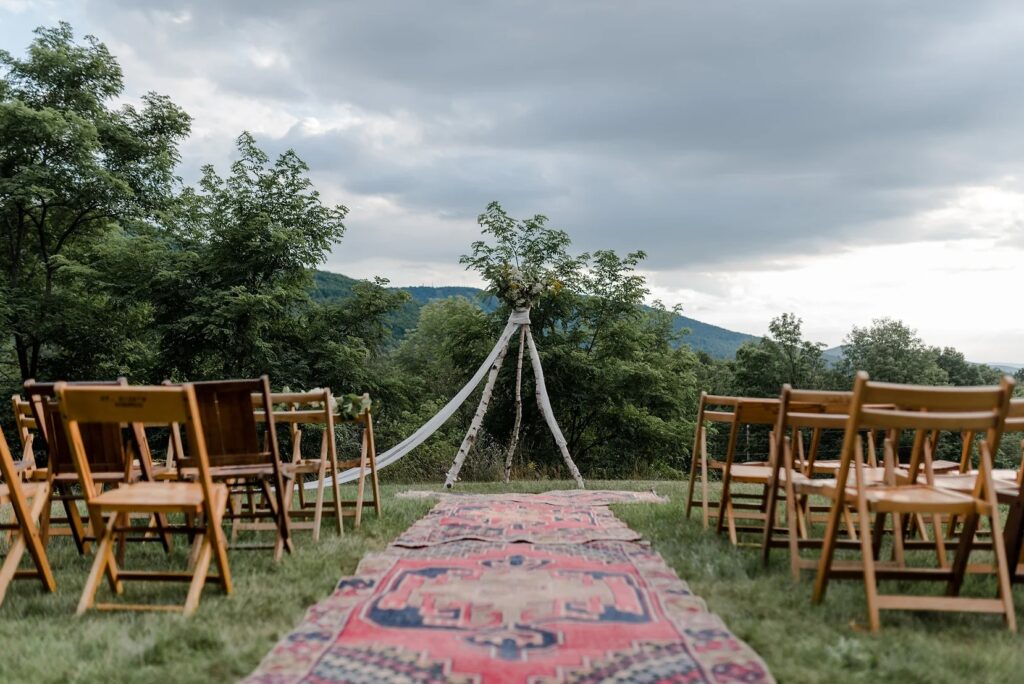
x=71, y=169
x=762, y=367
x=111, y=268
x=623, y=393
x=890, y=351
x=526, y=260
x=237, y=279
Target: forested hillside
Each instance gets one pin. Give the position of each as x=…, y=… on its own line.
x=717, y=342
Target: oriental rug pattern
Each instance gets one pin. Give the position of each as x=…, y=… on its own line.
x=456, y=519
x=483, y=612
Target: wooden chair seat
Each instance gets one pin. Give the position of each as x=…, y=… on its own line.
x=158, y=497
x=918, y=499
x=831, y=466
x=751, y=474
x=827, y=486
x=1006, y=487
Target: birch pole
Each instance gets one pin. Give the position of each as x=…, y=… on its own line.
x=478, y=418
x=545, y=408
x=519, y=406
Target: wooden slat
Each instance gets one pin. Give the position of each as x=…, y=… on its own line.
x=941, y=603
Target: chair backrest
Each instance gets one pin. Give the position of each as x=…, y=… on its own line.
x=228, y=419
x=814, y=410
x=106, y=444
x=1015, y=416
x=296, y=409
x=82, y=405
x=25, y=425
x=924, y=411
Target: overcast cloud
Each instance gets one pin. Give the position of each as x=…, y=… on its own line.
x=843, y=160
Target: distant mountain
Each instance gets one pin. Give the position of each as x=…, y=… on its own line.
x=835, y=354
x=1010, y=368
x=719, y=343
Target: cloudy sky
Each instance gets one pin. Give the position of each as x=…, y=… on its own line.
x=841, y=160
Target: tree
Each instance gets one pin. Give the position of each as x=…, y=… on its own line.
x=890, y=351
x=623, y=395
x=238, y=278
x=762, y=367
x=71, y=169
x=962, y=372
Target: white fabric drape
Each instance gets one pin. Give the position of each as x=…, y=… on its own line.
x=430, y=427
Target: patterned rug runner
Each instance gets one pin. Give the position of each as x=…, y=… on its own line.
x=484, y=612
x=461, y=519
x=559, y=497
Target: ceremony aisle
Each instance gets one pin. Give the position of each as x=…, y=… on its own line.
x=525, y=588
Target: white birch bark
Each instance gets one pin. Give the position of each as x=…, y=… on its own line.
x=549, y=415
x=478, y=418
x=519, y=406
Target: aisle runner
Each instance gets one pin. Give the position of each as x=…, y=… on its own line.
x=481, y=612
x=456, y=519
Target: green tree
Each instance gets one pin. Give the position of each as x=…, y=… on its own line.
x=237, y=282
x=623, y=395
x=962, y=372
x=762, y=367
x=890, y=351
x=72, y=168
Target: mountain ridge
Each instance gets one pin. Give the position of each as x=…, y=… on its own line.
x=716, y=341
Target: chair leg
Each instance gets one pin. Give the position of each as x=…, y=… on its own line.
x=195, y=587
x=318, y=510
x=374, y=479
x=336, y=489
x=867, y=552
x=690, y=486
x=705, y=492
x=940, y=542
x=794, y=531
x=218, y=540
x=102, y=564
x=733, y=538
x=897, y=540
x=361, y=484
x=35, y=544
x=10, y=566
x=827, y=550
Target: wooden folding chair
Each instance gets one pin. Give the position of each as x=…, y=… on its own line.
x=750, y=508
x=236, y=457
x=820, y=413
x=366, y=462
x=922, y=411
x=1009, y=486
x=201, y=500
x=299, y=409
x=114, y=462
x=735, y=504
x=27, y=500
x=25, y=425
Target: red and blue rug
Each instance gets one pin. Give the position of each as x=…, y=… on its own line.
x=485, y=612
x=457, y=519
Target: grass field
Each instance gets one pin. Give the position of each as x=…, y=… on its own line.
x=42, y=641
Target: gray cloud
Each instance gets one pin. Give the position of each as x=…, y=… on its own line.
x=701, y=132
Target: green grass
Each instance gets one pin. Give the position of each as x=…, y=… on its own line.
x=43, y=641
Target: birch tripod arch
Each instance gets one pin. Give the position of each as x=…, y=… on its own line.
x=518, y=321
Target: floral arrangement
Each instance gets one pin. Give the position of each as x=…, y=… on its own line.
x=347, y=406
x=519, y=289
